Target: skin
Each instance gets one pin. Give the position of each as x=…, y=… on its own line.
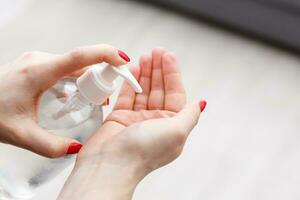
x=144, y=132
x=25, y=79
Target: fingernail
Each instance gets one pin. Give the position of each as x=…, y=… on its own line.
x=123, y=55
x=74, y=148
x=202, y=105
x=106, y=102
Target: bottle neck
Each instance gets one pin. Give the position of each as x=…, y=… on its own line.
x=94, y=86
x=108, y=74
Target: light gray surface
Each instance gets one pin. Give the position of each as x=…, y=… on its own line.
x=247, y=145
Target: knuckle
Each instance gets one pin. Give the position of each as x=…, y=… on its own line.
x=24, y=70
x=53, y=151
x=179, y=137
x=55, y=148
x=29, y=54
x=77, y=53
x=177, y=151
x=26, y=74
x=108, y=51
x=106, y=47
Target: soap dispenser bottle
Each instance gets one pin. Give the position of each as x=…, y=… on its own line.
x=71, y=108
x=94, y=86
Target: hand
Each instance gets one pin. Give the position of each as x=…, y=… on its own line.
x=24, y=80
x=144, y=132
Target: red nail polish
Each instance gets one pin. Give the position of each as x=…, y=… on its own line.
x=202, y=105
x=106, y=102
x=74, y=148
x=123, y=55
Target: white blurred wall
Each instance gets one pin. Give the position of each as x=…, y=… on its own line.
x=247, y=145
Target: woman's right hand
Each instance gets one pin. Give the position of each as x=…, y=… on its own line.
x=24, y=80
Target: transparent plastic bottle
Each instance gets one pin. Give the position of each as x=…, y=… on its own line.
x=71, y=109
x=23, y=172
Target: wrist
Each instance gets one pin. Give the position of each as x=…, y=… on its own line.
x=106, y=179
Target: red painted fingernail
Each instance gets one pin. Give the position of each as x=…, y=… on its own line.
x=106, y=102
x=74, y=148
x=202, y=105
x=123, y=55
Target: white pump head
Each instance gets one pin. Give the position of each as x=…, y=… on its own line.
x=97, y=84
x=110, y=73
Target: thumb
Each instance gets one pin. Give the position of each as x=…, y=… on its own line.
x=40, y=141
x=188, y=117
x=178, y=126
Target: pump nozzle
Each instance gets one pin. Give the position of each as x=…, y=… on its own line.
x=126, y=74
x=110, y=73
x=97, y=84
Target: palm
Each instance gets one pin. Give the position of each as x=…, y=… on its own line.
x=163, y=93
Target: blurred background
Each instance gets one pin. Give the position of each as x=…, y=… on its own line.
x=241, y=56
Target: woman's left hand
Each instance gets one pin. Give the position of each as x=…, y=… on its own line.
x=24, y=80
x=144, y=132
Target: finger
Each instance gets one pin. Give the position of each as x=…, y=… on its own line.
x=188, y=117
x=127, y=94
x=33, y=58
x=76, y=59
x=156, y=97
x=79, y=72
x=141, y=100
x=42, y=142
x=175, y=97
